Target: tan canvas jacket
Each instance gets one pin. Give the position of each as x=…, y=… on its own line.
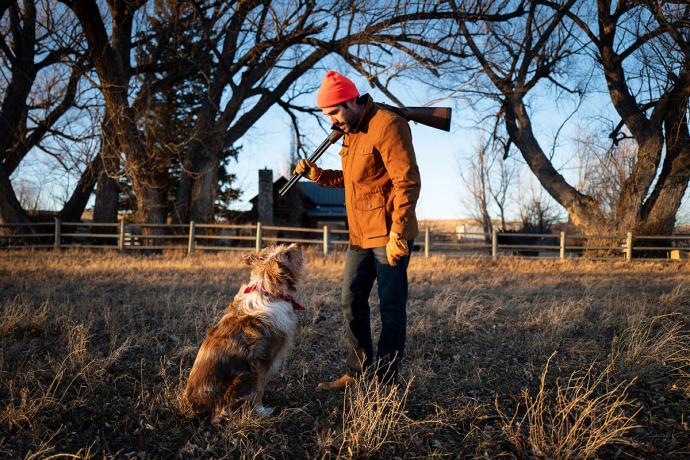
x=380, y=176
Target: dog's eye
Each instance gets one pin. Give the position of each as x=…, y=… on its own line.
x=288, y=255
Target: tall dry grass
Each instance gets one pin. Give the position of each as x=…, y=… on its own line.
x=95, y=350
x=375, y=422
x=574, y=419
x=373, y=417
x=655, y=349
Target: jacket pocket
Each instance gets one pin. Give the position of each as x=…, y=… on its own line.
x=366, y=162
x=371, y=213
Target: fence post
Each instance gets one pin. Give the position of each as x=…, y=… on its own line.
x=562, y=245
x=325, y=240
x=427, y=239
x=192, y=243
x=494, y=243
x=121, y=237
x=58, y=235
x=628, y=246
x=258, y=236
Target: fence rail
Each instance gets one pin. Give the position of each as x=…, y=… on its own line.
x=232, y=237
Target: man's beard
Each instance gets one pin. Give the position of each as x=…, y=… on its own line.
x=348, y=126
x=344, y=127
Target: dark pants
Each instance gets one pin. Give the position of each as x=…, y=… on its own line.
x=362, y=267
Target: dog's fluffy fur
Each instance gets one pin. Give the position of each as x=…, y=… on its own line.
x=247, y=347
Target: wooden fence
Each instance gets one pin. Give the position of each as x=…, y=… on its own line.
x=221, y=237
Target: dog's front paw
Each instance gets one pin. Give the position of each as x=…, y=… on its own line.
x=262, y=411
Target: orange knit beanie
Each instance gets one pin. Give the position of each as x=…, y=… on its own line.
x=335, y=89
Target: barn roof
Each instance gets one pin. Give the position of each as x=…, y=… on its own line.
x=318, y=195
x=323, y=196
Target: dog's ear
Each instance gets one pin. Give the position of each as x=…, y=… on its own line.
x=249, y=259
x=273, y=272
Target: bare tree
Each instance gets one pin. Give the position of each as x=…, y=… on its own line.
x=106, y=202
x=603, y=167
x=110, y=56
x=263, y=53
x=41, y=69
x=488, y=177
x=493, y=170
x=643, y=52
x=476, y=179
x=537, y=214
x=501, y=171
x=655, y=116
x=252, y=55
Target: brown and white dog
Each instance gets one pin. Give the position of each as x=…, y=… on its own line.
x=247, y=347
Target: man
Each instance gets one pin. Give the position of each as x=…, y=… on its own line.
x=381, y=181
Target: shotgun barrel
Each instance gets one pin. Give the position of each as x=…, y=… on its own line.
x=436, y=117
x=330, y=140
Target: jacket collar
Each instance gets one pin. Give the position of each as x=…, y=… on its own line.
x=370, y=109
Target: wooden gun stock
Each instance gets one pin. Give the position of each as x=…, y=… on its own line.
x=436, y=117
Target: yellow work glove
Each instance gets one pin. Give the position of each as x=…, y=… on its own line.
x=396, y=248
x=309, y=169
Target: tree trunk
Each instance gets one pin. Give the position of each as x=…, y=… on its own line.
x=12, y=111
x=74, y=207
x=662, y=219
x=111, y=62
x=502, y=214
x=204, y=190
x=487, y=226
x=196, y=192
x=17, y=91
x=11, y=211
x=106, y=205
x=108, y=190
x=583, y=210
x=660, y=209
x=183, y=198
x=150, y=204
x=151, y=209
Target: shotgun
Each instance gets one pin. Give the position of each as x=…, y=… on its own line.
x=436, y=117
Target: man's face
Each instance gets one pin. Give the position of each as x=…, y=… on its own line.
x=345, y=116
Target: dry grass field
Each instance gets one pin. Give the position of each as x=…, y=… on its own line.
x=515, y=358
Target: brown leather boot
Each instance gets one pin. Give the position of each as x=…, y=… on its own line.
x=338, y=384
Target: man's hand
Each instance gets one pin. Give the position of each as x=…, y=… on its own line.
x=309, y=169
x=396, y=249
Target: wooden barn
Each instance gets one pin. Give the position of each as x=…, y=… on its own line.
x=307, y=204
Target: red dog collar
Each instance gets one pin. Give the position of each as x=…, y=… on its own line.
x=287, y=298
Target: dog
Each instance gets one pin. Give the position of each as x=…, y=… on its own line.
x=248, y=345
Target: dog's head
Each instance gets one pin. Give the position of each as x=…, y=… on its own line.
x=277, y=268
